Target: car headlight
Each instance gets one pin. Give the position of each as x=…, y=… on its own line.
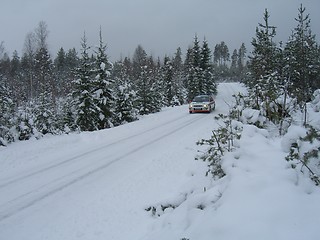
x=205, y=105
x=190, y=105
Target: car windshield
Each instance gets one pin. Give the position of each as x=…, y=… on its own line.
x=201, y=99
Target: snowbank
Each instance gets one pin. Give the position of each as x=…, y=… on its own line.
x=261, y=197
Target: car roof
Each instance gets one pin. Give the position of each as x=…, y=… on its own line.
x=203, y=95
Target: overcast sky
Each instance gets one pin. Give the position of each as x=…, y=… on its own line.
x=160, y=26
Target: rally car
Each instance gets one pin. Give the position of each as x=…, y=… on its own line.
x=202, y=103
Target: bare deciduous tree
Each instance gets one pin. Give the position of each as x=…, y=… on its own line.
x=41, y=33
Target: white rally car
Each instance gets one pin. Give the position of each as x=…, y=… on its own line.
x=202, y=103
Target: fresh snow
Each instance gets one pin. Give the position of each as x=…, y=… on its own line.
x=98, y=185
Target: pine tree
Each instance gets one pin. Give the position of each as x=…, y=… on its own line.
x=200, y=78
x=263, y=59
x=241, y=65
x=44, y=81
x=302, y=61
x=60, y=72
x=194, y=83
x=264, y=67
x=178, y=76
x=87, y=110
x=208, y=84
x=72, y=63
x=6, y=114
x=302, y=55
x=125, y=96
x=146, y=87
x=234, y=71
x=67, y=119
x=188, y=69
x=16, y=80
x=103, y=86
x=168, y=82
x=44, y=112
x=220, y=58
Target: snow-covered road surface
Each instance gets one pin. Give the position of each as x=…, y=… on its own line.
x=23, y=191
x=96, y=185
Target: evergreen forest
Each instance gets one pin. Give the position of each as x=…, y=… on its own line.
x=84, y=91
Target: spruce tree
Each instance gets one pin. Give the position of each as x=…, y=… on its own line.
x=234, y=71
x=263, y=66
x=207, y=78
x=179, y=76
x=302, y=55
x=145, y=83
x=103, y=86
x=44, y=112
x=241, y=65
x=44, y=81
x=125, y=96
x=17, y=83
x=262, y=61
x=194, y=73
x=168, y=82
x=60, y=72
x=6, y=114
x=87, y=110
x=72, y=63
x=188, y=69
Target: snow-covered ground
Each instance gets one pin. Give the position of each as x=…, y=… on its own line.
x=98, y=185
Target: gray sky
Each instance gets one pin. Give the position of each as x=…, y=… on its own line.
x=160, y=26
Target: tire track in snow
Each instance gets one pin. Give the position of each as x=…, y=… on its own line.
x=31, y=198
x=20, y=178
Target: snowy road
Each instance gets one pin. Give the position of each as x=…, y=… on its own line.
x=97, y=185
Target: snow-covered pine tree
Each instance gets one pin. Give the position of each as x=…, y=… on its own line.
x=234, y=72
x=103, y=86
x=265, y=79
x=87, y=110
x=262, y=61
x=194, y=77
x=6, y=114
x=72, y=63
x=144, y=72
x=241, y=65
x=302, y=58
x=60, y=72
x=24, y=123
x=179, y=76
x=17, y=83
x=197, y=74
x=168, y=82
x=188, y=69
x=199, y=70
x=125, y=96
x=67, y=114
x=154, y=81
x=44, y=80
x=44, y=112
x=207, y=79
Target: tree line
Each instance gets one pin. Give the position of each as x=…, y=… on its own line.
x=84, y=91
x=278, y=72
